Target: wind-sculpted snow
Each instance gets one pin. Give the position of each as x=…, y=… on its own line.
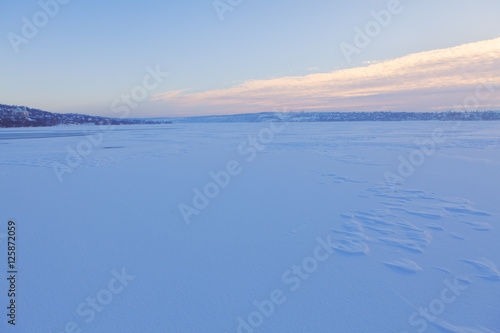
x=309, y=235
x=405, y=265
x=393, y=220
x=486, y=268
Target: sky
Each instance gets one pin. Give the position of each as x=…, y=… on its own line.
x=160, y=58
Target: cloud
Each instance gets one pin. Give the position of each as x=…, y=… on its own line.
x=433, y=80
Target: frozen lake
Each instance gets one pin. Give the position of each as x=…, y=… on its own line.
x=257, y=227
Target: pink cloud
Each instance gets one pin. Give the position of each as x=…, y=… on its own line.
x=433, y=80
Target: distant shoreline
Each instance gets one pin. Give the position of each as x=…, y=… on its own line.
x=13, y=117
x=339, y=117
x=10, y=117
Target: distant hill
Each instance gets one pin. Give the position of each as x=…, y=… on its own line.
x=12, y=116
x=339, y=116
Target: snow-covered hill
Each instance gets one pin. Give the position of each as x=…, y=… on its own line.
x=338, y=116
x=10, y=116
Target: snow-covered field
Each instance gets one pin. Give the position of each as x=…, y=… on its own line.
x=263, y=227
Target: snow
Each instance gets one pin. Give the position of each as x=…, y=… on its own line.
x=301, y=231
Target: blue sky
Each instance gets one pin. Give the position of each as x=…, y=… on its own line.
x=92, y=52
